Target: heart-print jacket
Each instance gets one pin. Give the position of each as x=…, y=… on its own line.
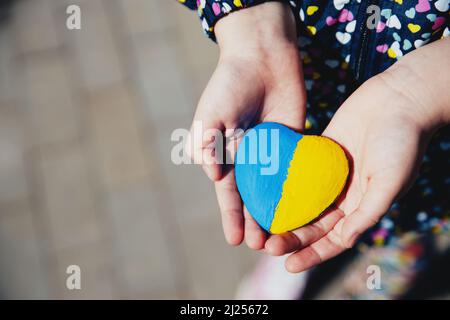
x=370, y=35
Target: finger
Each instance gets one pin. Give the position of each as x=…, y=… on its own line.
x=287, y=104
x=230, y=205
x=280, y=244
x=374, y=204
x=205, y=144
x=212, y=161
x=292, y=116
x=321, y=250
x=255, y=237
x=299, y=238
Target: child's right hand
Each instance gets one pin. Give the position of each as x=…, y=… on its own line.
x=385, y=127
x=258, y=78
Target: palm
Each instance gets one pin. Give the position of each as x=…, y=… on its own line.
x=240, y=94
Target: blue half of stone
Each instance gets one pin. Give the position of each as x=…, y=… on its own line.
x=261, y=167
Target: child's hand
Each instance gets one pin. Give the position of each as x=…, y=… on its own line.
x=258, y=78
x=385, y=127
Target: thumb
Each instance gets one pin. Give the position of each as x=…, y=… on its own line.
x=375, y=202
x=205, y=145
x=294, y=120
x=287, y=106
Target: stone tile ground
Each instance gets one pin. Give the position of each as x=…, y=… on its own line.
x=85, y=171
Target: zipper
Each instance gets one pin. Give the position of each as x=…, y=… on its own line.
x=365, y=33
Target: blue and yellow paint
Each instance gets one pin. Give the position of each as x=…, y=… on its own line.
x=312, y=172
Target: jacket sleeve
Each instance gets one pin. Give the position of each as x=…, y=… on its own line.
x=191, y=4
x=211, y=11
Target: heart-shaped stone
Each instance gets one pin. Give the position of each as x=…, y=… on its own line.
x=287, y=179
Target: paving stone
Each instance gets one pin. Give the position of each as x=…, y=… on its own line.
x=162, y=84
x=192, y=192
x=115, y=137
x=13, y=181
x=94, y=110
x=96, y=59
x=49, y=101
x=8, y=79
x=143, y=245
x=214, y=268
x=67, y=197
x=95, y=262
x=34, y=26
x=146, y=15
x=23, y=274
x=199, y=54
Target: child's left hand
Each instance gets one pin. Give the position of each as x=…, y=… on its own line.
x=385, y=126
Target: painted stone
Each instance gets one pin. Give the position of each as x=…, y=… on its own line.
x=287, y=179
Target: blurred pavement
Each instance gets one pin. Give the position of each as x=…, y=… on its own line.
x=85, y=171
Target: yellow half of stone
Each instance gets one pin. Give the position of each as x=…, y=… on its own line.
x=316, y=176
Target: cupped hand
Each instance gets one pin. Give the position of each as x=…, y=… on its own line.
x=258, y=78
x=384, y=127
